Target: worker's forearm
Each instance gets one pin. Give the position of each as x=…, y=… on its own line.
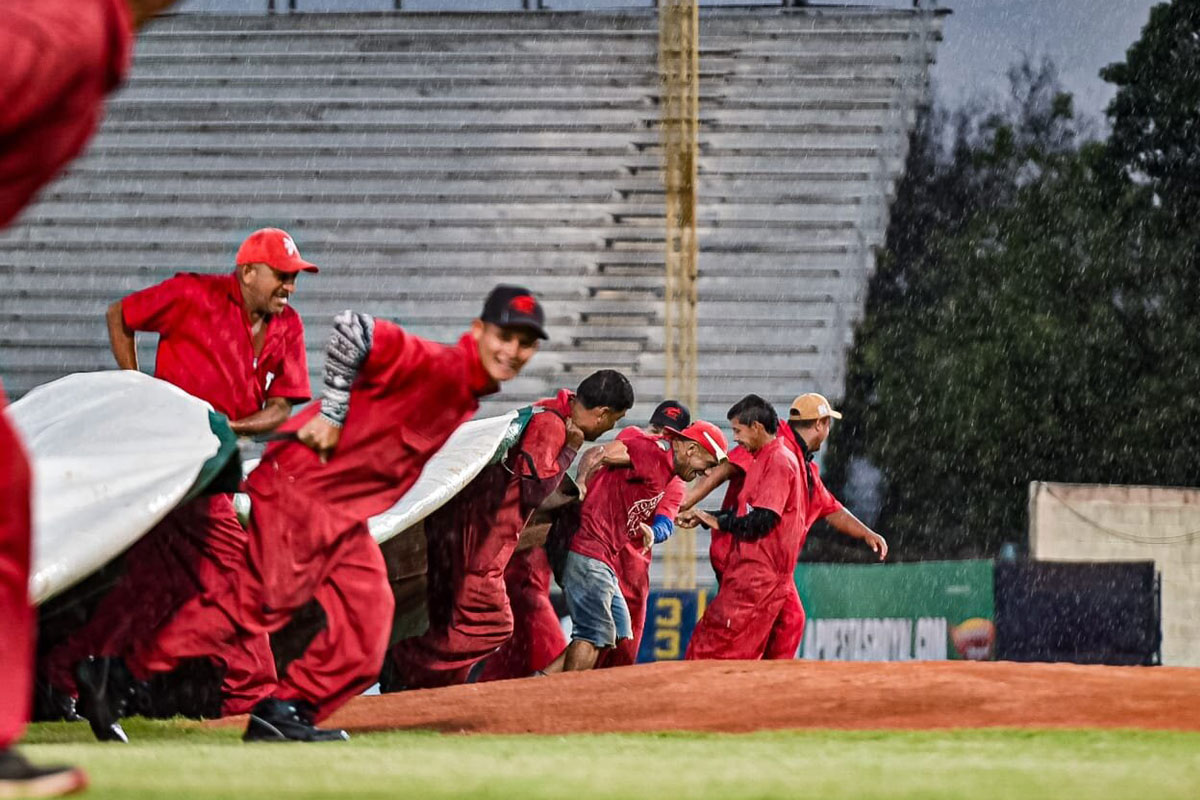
x=121, y=338
x=270, y=417
x=704, y=487
x=849, y=525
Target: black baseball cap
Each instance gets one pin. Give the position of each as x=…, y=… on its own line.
x=671, y=414
x=514, y=307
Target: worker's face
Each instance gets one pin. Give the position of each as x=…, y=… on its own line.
x=753, y=437
x=504, y=351
x=822, y=428
x=595, y=422
x=266, y=290
x=692, y=460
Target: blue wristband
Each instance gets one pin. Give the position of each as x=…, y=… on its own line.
x=663, y=527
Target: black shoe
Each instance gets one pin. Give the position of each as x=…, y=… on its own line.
x=66, y=705
x=274, y=720
x=19, y=778
x=105, y=688
x=50, y=705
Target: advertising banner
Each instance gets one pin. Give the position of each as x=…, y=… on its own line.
x=898, y=612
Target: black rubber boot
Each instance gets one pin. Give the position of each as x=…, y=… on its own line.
x=274, y=720
x=105, y=688
x=19, y=778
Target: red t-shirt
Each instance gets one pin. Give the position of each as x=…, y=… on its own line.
x=619, y=499
x=205, y=345
x=61, y=57
x=676, y=490
x=410, y=395
x=773, y=483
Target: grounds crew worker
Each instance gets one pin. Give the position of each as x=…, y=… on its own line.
x=390, y=401
x=472, y=538
x=810, y=419
x=233, y=341
x=538, y=645
x=617, y=509
x=61, y=58
x=633, y=563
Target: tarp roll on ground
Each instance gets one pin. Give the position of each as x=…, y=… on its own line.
x=112, y=454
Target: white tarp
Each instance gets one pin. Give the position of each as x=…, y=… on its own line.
x=112, y=454
x=456, y=464
x=461, y=458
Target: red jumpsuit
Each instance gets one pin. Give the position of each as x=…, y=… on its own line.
x=308, y=523
x=758, y=582
x=61, y=58
x=16, y=615
x=538, y=636
x=206, y=349
x=818, y=503
x=471, y=541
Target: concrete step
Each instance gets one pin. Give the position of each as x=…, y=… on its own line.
x=169, y=82
x=317, y=138
x=623, y=161
x=521, y=40
x=712, y=19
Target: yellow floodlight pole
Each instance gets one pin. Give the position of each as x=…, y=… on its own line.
x=679, y=79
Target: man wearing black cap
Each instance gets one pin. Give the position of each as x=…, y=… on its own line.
x=472, y=538
x=390, y=401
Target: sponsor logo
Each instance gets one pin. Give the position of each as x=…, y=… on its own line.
x=974, y=638
x=523, y=304
x=878, y=639
x=640, y=512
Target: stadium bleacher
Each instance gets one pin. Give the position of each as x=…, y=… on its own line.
x=420, y=157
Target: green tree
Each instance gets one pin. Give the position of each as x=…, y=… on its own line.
x=992, y=348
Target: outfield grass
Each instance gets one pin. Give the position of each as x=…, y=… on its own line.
x=181, y=761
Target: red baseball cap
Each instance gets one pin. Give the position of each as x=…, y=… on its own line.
x=706, y=435
x=275, y=248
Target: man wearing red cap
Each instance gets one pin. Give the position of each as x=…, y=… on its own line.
x=233, y=341
x=617, y=508
x=633, y=571
x=61, y=58
x=390, y=401
x=809, y=424
x=538, y=643
x=471, y=539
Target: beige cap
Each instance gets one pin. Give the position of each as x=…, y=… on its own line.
x=811, y=406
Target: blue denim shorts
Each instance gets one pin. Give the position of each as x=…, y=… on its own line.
x=598, y=611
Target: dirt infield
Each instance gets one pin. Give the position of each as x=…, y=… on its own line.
x=744, y=696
